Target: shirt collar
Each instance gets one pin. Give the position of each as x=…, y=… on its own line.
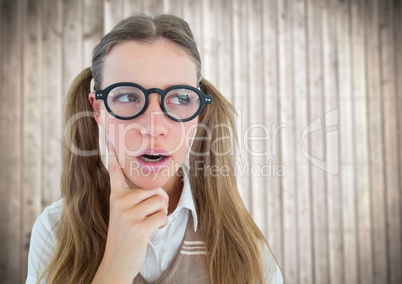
x=186, y=198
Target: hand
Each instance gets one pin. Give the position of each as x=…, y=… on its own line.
x=135, y=214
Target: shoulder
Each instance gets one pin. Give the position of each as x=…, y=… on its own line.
x=272, y=270
x=49, y=219
x=53, y=212
x=43, y=239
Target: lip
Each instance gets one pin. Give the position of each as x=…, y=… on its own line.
x=154, y=151
x=147, y=168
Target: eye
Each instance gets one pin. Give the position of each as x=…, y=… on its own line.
x=182, y=97
x=127, y=98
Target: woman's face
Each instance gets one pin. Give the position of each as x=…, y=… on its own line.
x=151, y=147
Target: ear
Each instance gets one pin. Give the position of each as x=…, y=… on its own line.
x=96, y=105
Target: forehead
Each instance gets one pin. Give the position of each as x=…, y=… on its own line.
x=158, y=64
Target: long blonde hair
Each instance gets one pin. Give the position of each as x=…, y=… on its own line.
x=232, y=238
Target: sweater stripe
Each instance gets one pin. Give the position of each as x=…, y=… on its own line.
x=194, y=243
x=193, y=252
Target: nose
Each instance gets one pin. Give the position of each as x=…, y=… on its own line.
x=153, y=119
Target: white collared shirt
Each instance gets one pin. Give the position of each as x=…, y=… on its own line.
x=162, y=247
x=165, y=242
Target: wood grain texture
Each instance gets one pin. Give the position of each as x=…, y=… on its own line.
x=72, y=43
x=92, y=28
x=3, y=201
x=31, y=123
x=240, y=84
x=316, y=143
x=256, y=130
x=287, y=144
x=390, y=141
x=346, y=134
x=316, y=84
x=11, y=88
x=302, y=184
x=180, y=7
x=397, y=24
x=114, y=12
x=376, y=144
x=154, y=7
x=331, y=107
x=274, y=212
x=52, y=100
x=361, y=144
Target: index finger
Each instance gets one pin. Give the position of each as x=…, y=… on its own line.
x=118, y=181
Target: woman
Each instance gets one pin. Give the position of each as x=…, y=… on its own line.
x=151, y=216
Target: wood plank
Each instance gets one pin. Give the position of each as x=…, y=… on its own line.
x=303, y=206
x=112, y=14
x=209, y=40
x=31, y=124
x=346, y=131
x=3, y=201
x=316, y=143
x=224, y=49
x=334, y=197
x=154, y=7
x=240, y=85
x=287, y=138
x=257, y=132
x=376, y=148
x=391, y=143
x=52, y=101
x=72, y=42
x=11, y=41
x=72, y=48
x=92, y=28
x=178, y=7
x=191, y=14
x=361, y=148
x=398, y=86
x=131, y=7
x=273, y=199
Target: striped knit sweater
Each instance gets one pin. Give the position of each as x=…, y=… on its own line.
x=188, y=266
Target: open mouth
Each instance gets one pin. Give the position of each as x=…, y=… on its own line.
x=152, y=158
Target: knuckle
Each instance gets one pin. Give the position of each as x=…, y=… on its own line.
x=163, y=219
x=160, y=202
x=162, y=192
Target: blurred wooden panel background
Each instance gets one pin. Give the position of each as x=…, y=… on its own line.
x=317, y=85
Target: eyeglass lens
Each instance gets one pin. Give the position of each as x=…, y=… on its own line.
x=128, y=101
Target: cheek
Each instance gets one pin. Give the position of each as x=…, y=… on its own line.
x=132, y=137
x=187, y=133
x=125, y=136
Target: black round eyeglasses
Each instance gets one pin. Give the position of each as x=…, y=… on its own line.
x=129, y=100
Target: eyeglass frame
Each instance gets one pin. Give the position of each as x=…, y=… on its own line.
x=103, y=94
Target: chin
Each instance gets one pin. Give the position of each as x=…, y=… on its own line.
x=153, y=175
x=151, y=181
